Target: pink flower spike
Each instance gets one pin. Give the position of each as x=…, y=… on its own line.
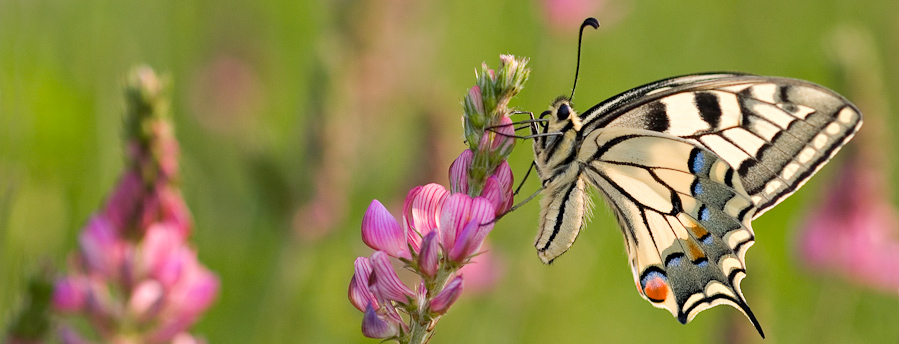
x=386, y=282
x=453, y=217
x=373, y=326
x=70, y=294
x=359, y=294
x=101, y=247
x=428, y=260
x=450, y=293
x=458, y=172
x=382, y=232
x=426, y=210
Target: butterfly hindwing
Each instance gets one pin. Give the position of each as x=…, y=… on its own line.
x=679, y=208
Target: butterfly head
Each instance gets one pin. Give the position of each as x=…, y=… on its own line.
x=562, y=116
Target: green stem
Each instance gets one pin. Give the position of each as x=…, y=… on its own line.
x=422, y=322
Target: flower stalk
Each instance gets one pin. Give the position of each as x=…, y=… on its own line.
x=441, y=230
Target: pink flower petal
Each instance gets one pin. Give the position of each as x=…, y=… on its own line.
x=374, y=326
x=382, y=232
x=471, y=238
x=453, y=218
x=426, y=208
x=494, y=192
x=359, y=294
x=386, y=282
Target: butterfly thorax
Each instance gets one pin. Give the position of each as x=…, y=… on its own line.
x=559, y=147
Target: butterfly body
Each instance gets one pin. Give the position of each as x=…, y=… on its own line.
x=685, y=164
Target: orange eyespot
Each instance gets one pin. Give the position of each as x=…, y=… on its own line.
x=655, y=286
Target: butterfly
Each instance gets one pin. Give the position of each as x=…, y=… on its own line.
x=686, y=163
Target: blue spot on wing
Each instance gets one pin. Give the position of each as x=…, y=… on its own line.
x=697, y=188
x=651, y=275
x=702, y=263
x=697, y=161
x=674, y=261
x=704, y=213
x=707, y=240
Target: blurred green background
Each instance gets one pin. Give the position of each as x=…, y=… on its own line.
x=293, y=115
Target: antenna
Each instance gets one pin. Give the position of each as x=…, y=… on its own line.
x=587, y=22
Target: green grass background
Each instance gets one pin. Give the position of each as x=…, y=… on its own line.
x=353, y=100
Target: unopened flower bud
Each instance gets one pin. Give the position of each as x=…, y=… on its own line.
x=504, y=139
x=475, y=100
x=494, y=192
x=458, y=173
x=428, y=259
x=450, y=293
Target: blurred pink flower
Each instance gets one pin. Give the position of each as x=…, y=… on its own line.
x=483, y=272
x=567, y=15
x=854, y=232
x=135, y=276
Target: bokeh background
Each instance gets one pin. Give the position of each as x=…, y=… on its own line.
x=293, y=115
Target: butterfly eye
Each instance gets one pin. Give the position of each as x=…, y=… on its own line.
x=563, y=112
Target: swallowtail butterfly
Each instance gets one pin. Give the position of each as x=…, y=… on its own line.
x=686, y=164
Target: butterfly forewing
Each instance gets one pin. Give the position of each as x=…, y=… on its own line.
x=686, y=163
x=775, y=132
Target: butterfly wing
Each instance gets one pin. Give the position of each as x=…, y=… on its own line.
x=684, y=213
x=775, y=132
